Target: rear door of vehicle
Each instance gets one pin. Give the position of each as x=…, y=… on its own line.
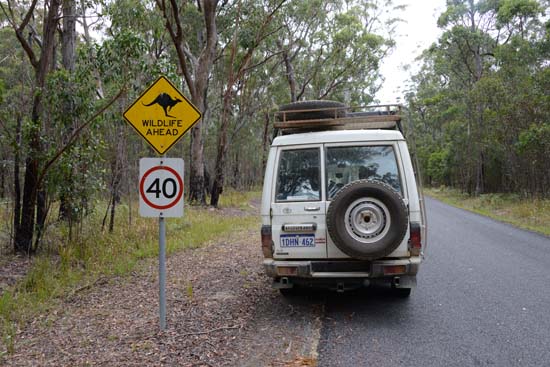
x=298, y=205
x=347, y=162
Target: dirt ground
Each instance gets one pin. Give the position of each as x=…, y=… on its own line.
x=221, y=311
x=12, y=269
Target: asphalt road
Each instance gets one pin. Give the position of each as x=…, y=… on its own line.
x=483, y=299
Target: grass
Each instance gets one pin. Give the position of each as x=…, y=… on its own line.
x=239, y=199
x=528, y=213
x=63, y=266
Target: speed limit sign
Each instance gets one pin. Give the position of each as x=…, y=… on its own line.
x=161, y=187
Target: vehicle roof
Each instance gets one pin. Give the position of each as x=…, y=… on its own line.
x=339, y=136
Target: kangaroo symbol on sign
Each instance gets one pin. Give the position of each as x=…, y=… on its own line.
x=165, y=101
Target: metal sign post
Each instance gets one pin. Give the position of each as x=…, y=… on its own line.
x=161, y=196
x=161, y=115
x=162, y=273
x=162, y=268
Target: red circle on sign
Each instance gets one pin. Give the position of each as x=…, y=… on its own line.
x=170, y=204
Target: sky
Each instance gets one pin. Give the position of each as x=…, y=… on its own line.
x=416, y=33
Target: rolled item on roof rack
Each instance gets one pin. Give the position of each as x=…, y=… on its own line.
x=305, y=116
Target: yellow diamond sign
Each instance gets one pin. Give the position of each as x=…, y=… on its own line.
x=162, y=115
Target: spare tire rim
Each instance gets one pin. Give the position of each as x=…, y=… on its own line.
x=367, y=220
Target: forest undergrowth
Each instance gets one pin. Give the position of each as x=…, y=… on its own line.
x=91, y=257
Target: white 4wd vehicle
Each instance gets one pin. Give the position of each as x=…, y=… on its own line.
x=341, y=205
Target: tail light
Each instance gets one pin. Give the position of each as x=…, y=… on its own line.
x=267, y=242
x=415, y=239
x=395, y=269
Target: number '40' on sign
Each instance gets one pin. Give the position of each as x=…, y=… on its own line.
x=169, y=188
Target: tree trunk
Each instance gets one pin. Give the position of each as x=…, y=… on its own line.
x=237, y=181
x=116, y=177
x=265, y=141
x=112, y=216
x=68, y=38
x=41, y=214
x=196, y=174
x=88, y=41
x=219, y=176
x=196, y=78
x=25, y=230
x=17, y=183
x=289, y=71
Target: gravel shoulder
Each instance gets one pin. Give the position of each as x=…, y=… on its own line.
x=221, y=311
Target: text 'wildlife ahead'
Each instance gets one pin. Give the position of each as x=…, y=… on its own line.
x=162, y=115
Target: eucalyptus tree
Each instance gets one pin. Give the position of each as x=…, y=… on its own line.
x=252, y=25
x=311, y=50
x=16, y=103
x=68, y=57
x=63, y=106
x=481, y=90
x=41, y=56
x=334, y=48
x=467, y=47
x=193, y=30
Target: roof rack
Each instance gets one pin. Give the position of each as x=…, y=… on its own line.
x=293, y=121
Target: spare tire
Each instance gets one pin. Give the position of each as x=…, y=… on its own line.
x=321, y=110
x=367, y=219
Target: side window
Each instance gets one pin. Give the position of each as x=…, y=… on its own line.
x=347, y=164
x=299, y=175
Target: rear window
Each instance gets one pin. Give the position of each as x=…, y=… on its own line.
x=299, y=175
x=347, y=164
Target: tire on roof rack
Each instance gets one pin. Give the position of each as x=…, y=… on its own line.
x=319, y=110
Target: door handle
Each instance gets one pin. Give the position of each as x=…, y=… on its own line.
x=312, y=208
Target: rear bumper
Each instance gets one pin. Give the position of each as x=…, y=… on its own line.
x=326, y=269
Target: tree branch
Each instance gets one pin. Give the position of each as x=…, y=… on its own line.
x=19, y=29
x=265, y=60
x=177, y=39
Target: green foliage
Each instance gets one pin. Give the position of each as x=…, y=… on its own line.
x=94, y=255
x=438, y=166
x=69, y=103
x=336, y=48
x=483, y=96
x=121, y=56
x=510, y=10
x=535, y=141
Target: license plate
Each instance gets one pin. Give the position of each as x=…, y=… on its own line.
x=297, y=240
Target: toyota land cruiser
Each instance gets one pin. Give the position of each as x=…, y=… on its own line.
x=341, y=205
